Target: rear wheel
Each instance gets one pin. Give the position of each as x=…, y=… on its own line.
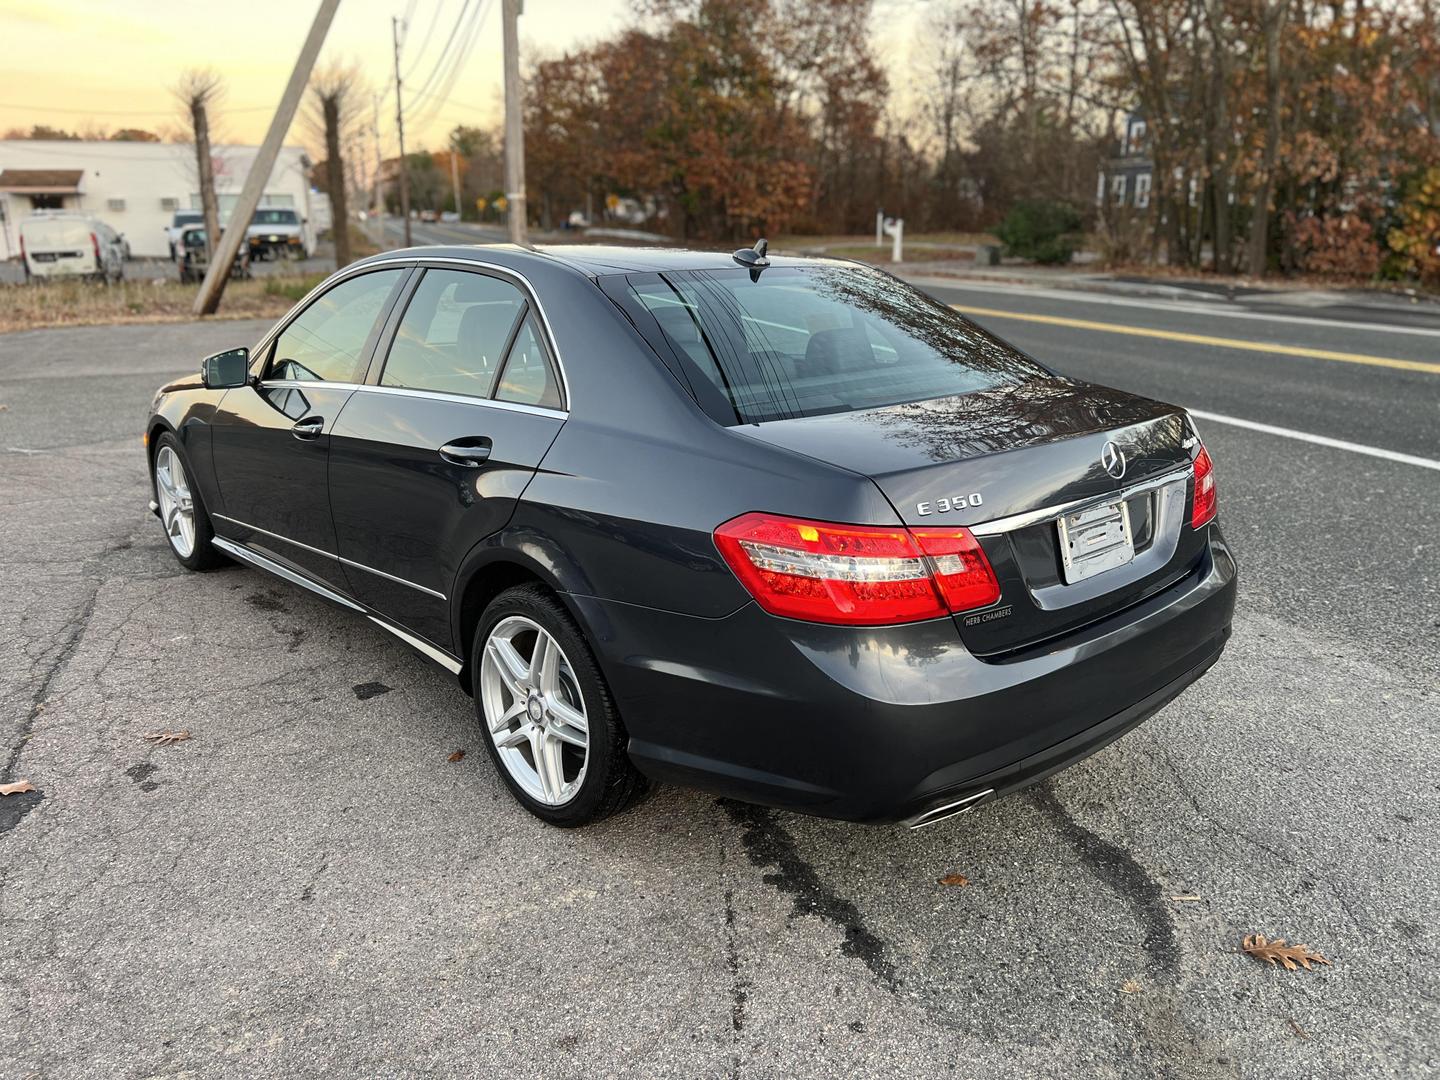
x=551, y=726
x=182, y=513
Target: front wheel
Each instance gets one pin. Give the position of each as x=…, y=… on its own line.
x=182, y=512
x=552, y=728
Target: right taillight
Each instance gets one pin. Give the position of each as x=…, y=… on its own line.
x=855, y=575
x=1204, y=511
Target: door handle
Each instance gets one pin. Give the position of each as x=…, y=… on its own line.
x=309, y=428
x=470, y=452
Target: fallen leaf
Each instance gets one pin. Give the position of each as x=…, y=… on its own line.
x=958, y=880
x=19, y=787
x=456, y=756
x=1298, y=1029
x=1291, y=957
x=166, y=738
x=1129, y=986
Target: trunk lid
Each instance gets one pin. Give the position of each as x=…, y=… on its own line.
x=999, y=462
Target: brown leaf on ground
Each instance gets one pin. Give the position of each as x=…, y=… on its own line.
x=1129, y=986
x=957, y=880
x=1291, y=957
x=19, y=787
x=456, y=756
x=166, y=738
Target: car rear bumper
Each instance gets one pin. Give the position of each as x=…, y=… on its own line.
x=891, y=723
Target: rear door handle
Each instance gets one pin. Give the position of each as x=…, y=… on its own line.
x=309, y=428
x=470, y=452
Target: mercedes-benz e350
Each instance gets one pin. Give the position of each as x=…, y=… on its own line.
x=788, y=530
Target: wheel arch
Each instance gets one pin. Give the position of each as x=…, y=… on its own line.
x=496, y=564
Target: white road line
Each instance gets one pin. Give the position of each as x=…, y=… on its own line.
x=1192, y=307
x=1318, y=440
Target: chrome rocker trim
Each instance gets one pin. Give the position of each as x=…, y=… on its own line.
x=244, y=554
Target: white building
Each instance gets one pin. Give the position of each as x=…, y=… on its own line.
x=133, y=187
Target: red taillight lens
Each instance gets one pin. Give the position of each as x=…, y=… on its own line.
x=1204, y=511
x=855, y=575
x=95, y=243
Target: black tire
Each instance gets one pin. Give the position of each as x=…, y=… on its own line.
x=204, y=556
x=611, y=782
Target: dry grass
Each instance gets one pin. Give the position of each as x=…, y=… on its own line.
x=81, y=303
x=790, y=244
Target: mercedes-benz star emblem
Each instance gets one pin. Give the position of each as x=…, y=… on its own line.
x=1113, y=459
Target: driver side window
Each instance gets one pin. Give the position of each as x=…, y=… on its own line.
x=326, y=342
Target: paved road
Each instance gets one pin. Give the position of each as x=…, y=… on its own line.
x=308, y=886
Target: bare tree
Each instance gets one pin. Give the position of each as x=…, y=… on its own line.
x=197, y=90
x=337, y=99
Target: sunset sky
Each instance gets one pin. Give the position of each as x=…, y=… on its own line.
x=100, y=63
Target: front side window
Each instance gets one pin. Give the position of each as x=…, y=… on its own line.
x=454, y=333
x=326, y=342
x=801, y=342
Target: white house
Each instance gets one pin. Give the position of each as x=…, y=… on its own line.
x=133, y=187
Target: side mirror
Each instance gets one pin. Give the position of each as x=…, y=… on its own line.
x=226, y=370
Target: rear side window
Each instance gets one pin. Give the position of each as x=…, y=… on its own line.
x=529, y=376
x=453, y=335
x=806, y=341
x=326, y=341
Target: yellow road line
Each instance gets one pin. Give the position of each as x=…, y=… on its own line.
x=1203, y=339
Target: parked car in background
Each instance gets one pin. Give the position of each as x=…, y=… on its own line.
x=194, y=256
x=177, y=223
x=277, y=232
x=60, y=245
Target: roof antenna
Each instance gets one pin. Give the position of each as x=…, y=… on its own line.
x=753, y=259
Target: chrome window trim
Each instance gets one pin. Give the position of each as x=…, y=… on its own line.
x=440, y=656
x=330, y=555
x=1034, y=517
x=254, y=558
x=430, y=395
x=532, y=295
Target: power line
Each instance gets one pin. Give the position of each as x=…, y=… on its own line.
x=122, y=112
x=461, y=59
x=453, y=40
x=429, y=32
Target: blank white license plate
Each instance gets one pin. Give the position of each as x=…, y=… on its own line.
x=1095, y=540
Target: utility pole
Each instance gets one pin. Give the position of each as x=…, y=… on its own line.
x=400, y=129
x=514, y=123
x=207, y=300
x=377, y=194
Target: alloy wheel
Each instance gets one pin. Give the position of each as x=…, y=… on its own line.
x=177, y=507
x=534, y=710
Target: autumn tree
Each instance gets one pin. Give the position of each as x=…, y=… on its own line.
x=336, y=96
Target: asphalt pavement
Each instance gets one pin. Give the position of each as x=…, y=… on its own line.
x=309, y=887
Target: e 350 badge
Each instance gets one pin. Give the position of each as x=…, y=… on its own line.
x=955, y=502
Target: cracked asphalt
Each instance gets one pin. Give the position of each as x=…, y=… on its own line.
x=308, y=887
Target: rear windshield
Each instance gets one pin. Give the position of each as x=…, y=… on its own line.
x=187, y=217
x=812, y=340
x=274, y=217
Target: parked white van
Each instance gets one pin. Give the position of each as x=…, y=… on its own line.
x=59, y=245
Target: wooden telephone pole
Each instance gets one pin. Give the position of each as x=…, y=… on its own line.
x=400, y=130
x=207, y=300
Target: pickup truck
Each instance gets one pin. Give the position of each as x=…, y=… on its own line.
x=277, y=233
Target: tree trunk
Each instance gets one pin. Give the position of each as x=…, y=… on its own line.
x=1273, y=17
x=209, y=204
x=335, y=178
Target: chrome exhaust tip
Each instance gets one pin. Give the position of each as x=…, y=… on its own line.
x=949, y=810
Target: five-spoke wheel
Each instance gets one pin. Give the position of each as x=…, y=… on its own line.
x=552, y=727
x=534, y=710
x=177, y=506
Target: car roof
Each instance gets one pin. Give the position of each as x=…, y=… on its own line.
x=592, y=260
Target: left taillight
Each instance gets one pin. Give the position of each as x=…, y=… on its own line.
x=856, y=575
x=1204, y=508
